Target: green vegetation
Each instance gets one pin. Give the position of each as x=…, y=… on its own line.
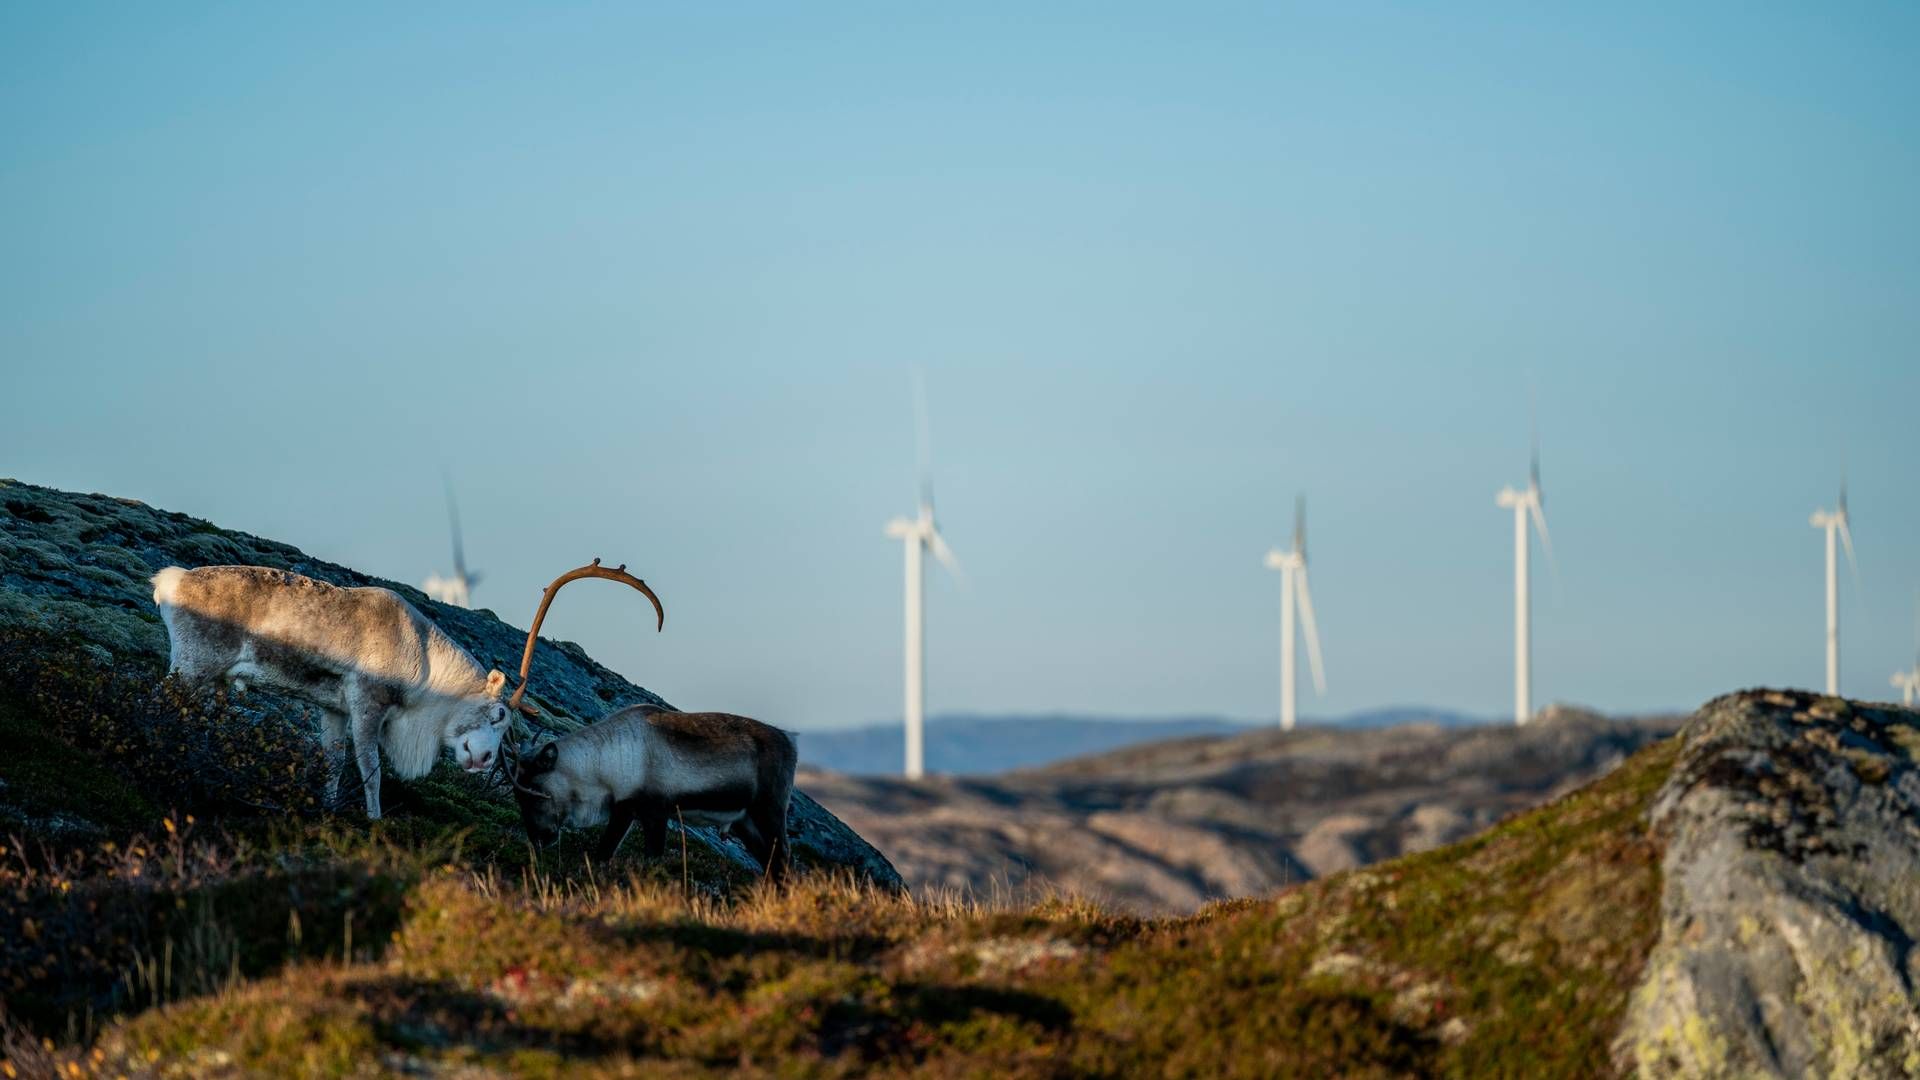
x=152, y=848
x=173, y=900
x=1509, y=954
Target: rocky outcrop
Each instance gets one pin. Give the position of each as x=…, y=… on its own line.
x=1791, y=895
x=1165, y=827
x=75, y=568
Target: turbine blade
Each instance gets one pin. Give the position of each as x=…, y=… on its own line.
x=1846, y=540
x=1546, y=541
x=1300, y=526
x=938, y=545
x=453, y=523
x=1312, y=628
x=922, y=437
x=1533, y=438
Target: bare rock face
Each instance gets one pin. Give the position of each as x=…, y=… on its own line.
x=1792, y=895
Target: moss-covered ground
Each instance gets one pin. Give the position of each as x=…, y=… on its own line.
x=1510, y=954
x=174, y=901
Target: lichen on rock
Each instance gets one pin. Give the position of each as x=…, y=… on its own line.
x=1791, y=898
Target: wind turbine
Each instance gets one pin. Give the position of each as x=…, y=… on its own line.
x=1835, y=522
x=1293, y=572
x=1909, y=680
x=458, y=589
x=1529, y=503
x=919, y=534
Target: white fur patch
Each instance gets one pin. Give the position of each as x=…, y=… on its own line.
x=166, y=583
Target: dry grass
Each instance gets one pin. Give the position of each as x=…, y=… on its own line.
x=1510, y=954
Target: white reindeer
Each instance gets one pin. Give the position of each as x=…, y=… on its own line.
x=377, y=669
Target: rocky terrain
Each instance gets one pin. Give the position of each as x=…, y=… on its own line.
x=1739, y=899
x=1165, y=827
x=1735, y=901
x=74, y=573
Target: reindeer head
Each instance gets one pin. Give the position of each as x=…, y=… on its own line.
x=546, y=800
x=477, y=727
x=543, y=810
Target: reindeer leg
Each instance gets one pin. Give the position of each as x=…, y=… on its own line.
x=653, y=828
x=618, y=823
x=771, y=823
x=367, y=718
x=333, y=743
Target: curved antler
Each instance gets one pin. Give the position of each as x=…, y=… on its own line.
x=593, y=569
x=507, y=767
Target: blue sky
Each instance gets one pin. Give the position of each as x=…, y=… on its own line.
x=650, y=283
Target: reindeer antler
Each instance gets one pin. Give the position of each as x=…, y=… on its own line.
x=507, y=767
x=593, y=569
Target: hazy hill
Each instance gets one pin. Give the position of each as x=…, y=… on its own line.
x=972, y=744
x=1165, y=826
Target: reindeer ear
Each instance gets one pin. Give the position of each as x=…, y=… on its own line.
x=548, y=757
x=496, y=682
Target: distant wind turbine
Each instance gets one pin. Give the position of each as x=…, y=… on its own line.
x=1293, y=574
x=1526, y=504
x=458, y=589
x=1835, y=522
x=919, y=534
x=1909, y=680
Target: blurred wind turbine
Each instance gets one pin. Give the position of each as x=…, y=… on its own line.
x=1909, y=680
x=458, y=589
x=919, y=534
x=1835, y=522
x=1293, y=571
x=1525, y=504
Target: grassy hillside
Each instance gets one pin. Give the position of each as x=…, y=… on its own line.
x=154, y=845
x=174, y=901
x=1509, y=954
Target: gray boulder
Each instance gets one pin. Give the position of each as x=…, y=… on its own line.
x=1792, y=895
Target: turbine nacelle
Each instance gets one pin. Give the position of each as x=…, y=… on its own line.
x=1284, y=560
x=1908, y=683
x=1516, y=498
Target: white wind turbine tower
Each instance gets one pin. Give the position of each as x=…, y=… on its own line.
x=1835, y=522
x=919, y=534
x=458, y=589
x=1526, y=504
x=1908, y=681
x=1293, y=575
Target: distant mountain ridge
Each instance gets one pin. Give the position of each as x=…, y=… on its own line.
x=1165, y=826
x=971, y=744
